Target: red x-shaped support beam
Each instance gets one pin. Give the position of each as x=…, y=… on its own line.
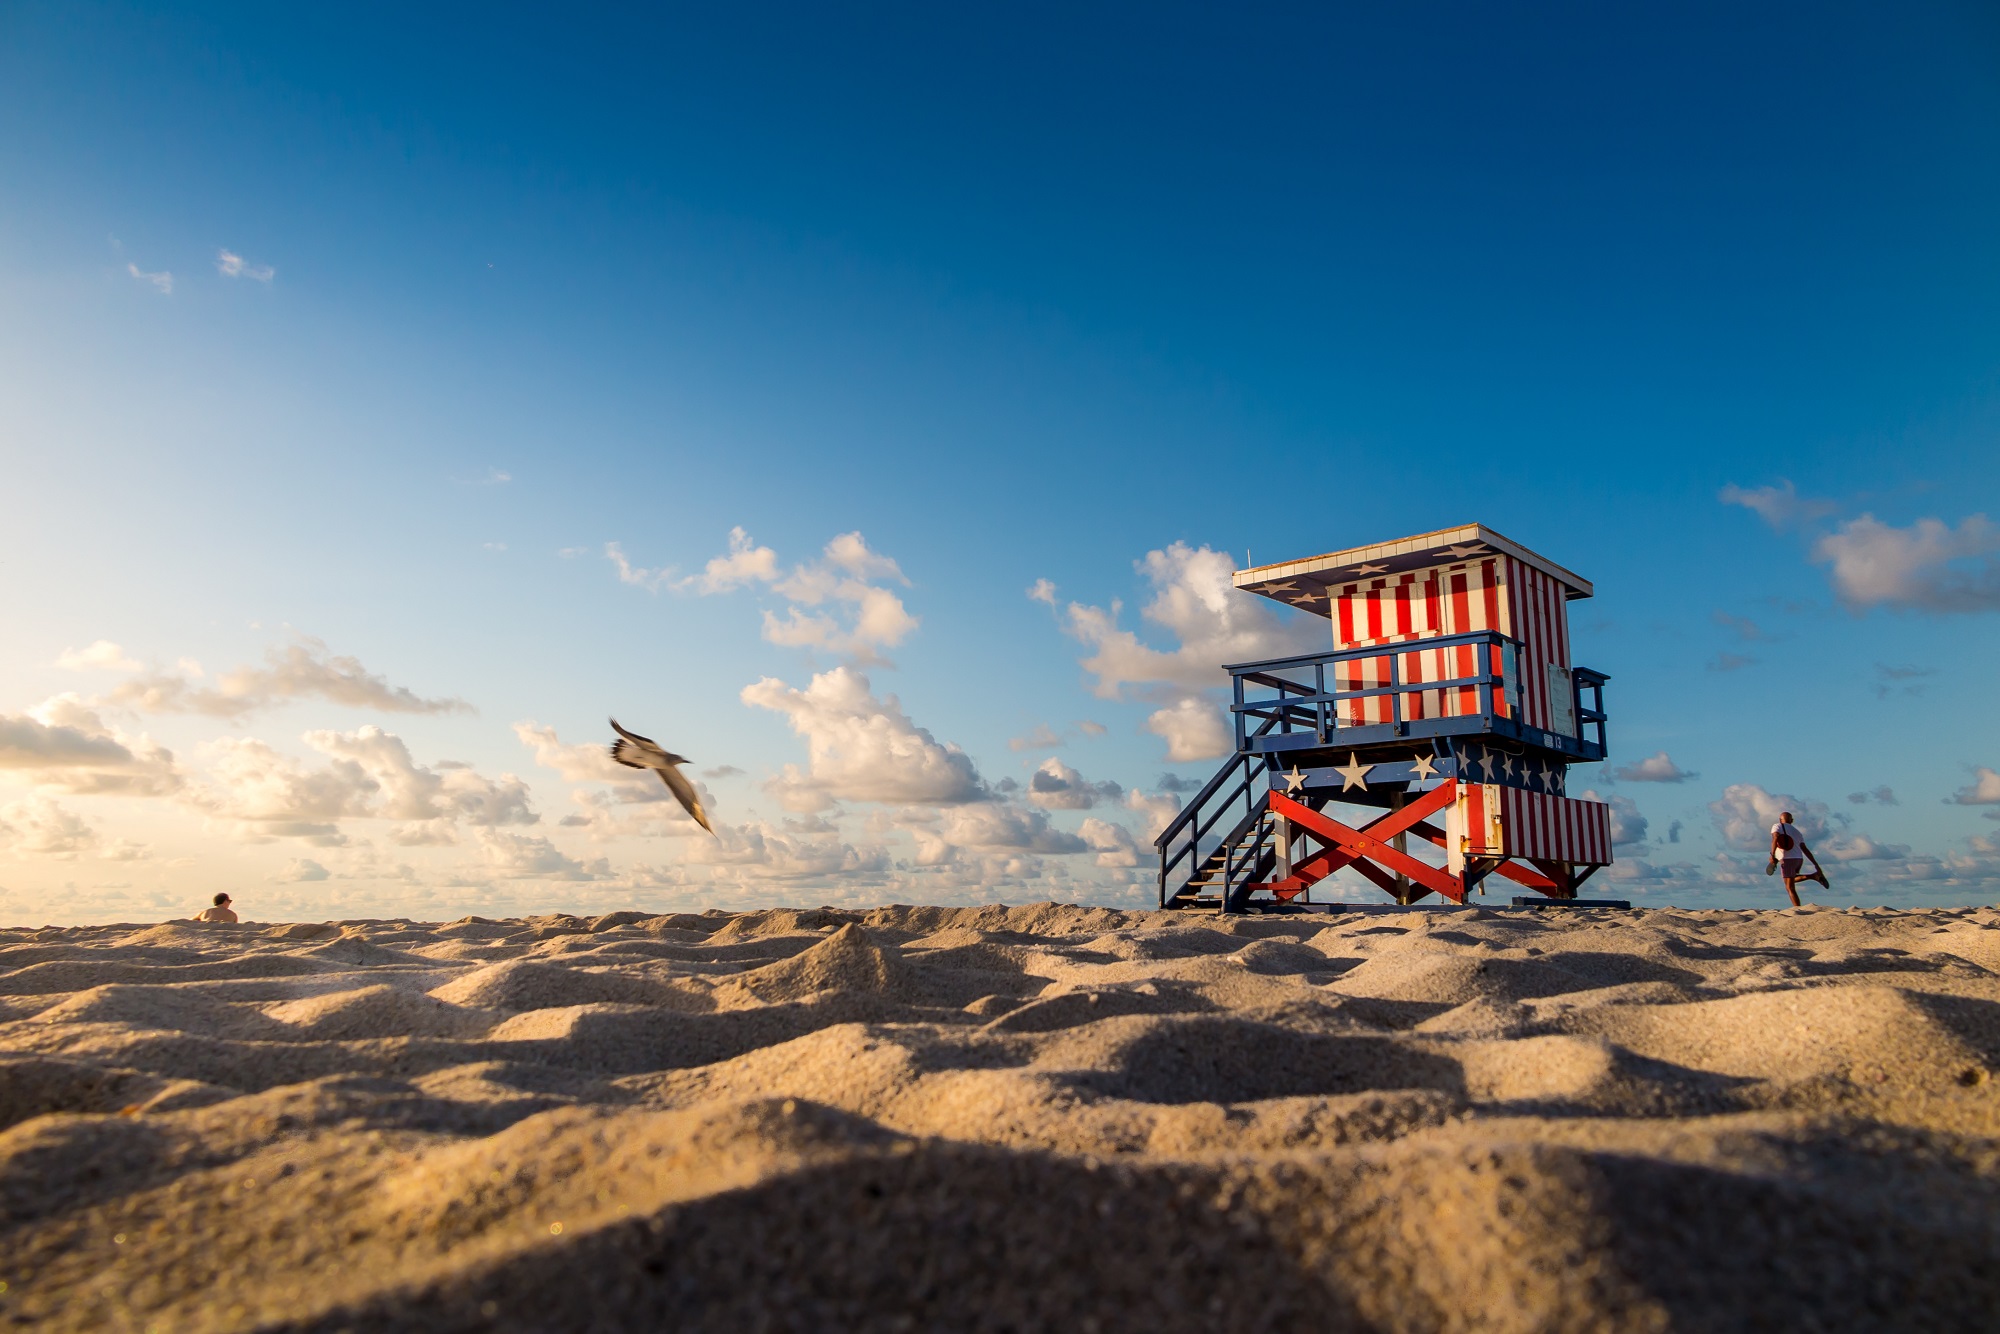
x=1358, y=847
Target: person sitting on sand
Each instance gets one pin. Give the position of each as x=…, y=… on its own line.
x=1789, y=853
x=220, y=912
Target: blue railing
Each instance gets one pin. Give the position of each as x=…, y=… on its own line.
x=1592, y=713
x=1298, y=709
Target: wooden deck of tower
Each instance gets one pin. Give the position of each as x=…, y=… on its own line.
x=1448, y=694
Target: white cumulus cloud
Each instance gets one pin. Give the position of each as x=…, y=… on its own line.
x=1113, y=843
x=102, y=655
x=1655, y=768
x=62, y=744
x=509, y=856
x=37, y=826
x=584, y=763
x=743, y=564
x=861, y=748
x=1745, y=812
x=124, y=850
x=837, y=604
x=258, y=793
x=1158, y=809
x=1194, y=728
x=1057, y=787
x=987, y=827
x=1983, y=790
x=641, y=809
x=304, y=669
x=409, y=791
x=1928, y=566
x=1861, y=848
x=26, y=742
x=800, y=850
x=1196, y=601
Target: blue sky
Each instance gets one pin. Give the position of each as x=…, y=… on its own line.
x=326, y=335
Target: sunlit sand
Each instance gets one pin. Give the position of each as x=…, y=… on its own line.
x=1037, y=1117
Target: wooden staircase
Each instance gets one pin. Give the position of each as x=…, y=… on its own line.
x=1245, y=858
x=1220, y=841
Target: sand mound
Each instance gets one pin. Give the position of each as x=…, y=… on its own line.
x=1485, y=1017
x=847, y=960
x=1450, y=979
x=1216, y=1059
x=1070, y=1009
x=974, y=956
x=781, y=922
x=31, y=1087
x=993, y=1118
x=519, y=984
x=1866, y=1034
x=352, y=949
x=475, y=928
x=379, y=1012
x=611, y=921
x=629, y=1039
x=197, y=939
x=170, y=1008
x=302, y=931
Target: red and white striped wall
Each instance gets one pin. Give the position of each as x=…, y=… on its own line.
x=1498, y=821
x=1539, y=618
x=1494, y=593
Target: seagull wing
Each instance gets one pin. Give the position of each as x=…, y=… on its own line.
x=638, y=752
x=641, y=752
x=684, y=793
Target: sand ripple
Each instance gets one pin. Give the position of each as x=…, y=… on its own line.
x=1006, y=1118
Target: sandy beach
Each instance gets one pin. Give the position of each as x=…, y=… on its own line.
x=1037, y=1117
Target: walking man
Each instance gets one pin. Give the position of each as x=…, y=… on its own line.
x=1789, y=853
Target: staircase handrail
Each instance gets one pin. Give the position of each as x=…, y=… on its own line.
x=1209, y=789
x=1200, y=827
x=1224, y=847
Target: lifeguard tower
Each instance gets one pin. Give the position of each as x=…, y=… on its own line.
x=1448, y=694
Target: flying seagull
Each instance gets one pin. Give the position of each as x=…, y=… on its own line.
x=639, y=752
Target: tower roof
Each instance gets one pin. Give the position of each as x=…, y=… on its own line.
x=1289, y=581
